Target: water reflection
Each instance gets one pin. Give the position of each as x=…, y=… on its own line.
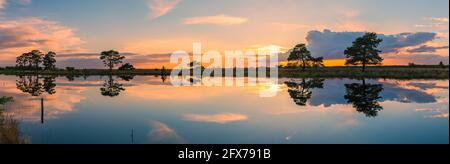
x=159, y=113
x=126, y=77
x=70, y=77
x=301, y=92
x=49, y=85
x=365, y=97
x=111, y=88
x=34, y=86
x=164, y=78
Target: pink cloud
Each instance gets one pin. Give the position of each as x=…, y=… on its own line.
x=219, y=118
x=159, y=8
x=2, y=4
x=21, y=35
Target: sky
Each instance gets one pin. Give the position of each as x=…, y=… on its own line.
x=148, y=31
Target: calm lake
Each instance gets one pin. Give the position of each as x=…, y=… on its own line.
x=148, y=109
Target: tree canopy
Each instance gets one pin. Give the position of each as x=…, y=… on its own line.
x=49, y=61
x=126, y=67
x=364, y=51
x=301, y=54
x=364, y=97
x=111, y=58
x=303, y=57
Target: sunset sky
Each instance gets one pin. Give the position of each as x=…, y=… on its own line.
x=146, y=31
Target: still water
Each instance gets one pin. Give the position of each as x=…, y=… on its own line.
x=148, y=109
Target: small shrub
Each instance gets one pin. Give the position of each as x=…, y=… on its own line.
x=127, y=67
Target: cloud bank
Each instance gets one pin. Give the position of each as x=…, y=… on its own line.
x=21, y=35
x=332, y=45
x=426, y=48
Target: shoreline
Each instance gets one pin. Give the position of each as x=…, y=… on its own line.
x=387, y=72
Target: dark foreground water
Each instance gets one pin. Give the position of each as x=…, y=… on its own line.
x=148, y=110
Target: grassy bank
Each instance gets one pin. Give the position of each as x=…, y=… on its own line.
x=396, y=72
x=371, y=72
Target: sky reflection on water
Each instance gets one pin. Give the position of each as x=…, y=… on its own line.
x=109, y=110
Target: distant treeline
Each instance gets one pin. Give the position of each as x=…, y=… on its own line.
x=363, y=55
x=391, y=72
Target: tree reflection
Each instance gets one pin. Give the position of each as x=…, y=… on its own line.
x=126, y=77
x=111, y=88
x=164, y=78
x=364, y=97
x=49, y=85
x=34, y=86
x=70, y=77
x=9, y=127
x=301, y=92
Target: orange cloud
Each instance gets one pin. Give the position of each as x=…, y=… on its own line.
x=215, y=20
x=440, y=19
x=218, y=118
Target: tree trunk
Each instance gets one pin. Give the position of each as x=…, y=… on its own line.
x=42, y=110
x=110, y=67
x=364, y=66
x=303, y=65
x=364, y=61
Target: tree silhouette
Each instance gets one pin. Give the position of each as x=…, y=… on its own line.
x=30, y=85
x=27, y=59
x=111, y=59
x=301, y=92
x=49, y=61
x=316, y=62
x=33, y=85
x=364, y=97
x=36, y=58
x=364, y=51
x=441, y=64
x=301, y=54
x=70, y=77
x=127, y=67
x=111, y=88
x=4, y=100
x=23, y=60
x=163, y=74
x=164, y=78
x=49, y=85
x=163, y=71
x=126, y=77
